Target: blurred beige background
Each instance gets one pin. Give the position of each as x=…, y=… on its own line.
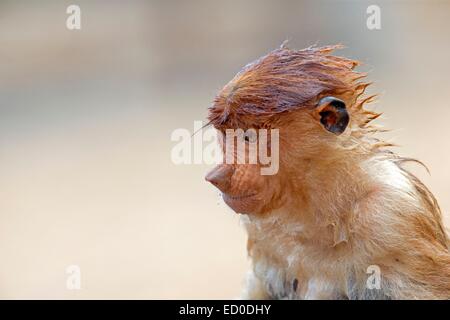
x=86, y=116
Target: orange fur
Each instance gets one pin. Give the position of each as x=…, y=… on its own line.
x=339, y=203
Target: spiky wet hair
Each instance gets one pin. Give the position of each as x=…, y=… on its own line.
x=285, y=80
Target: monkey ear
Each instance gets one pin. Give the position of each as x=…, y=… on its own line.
x=333, y=114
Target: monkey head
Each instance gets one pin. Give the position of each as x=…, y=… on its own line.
x=312, y=99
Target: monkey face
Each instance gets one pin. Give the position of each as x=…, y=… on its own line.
x=306, y=134
x=243, y=187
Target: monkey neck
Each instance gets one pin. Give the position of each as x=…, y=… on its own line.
x=326, y=191
x=320, y=202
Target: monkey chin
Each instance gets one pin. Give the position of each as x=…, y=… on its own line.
x=243, y=204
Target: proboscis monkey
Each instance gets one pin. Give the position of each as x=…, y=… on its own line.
x=341, y=203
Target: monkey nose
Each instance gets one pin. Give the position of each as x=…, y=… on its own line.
x=220, y=177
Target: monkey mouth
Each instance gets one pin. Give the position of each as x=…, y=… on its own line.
x=239, y=197
x=244, y=204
